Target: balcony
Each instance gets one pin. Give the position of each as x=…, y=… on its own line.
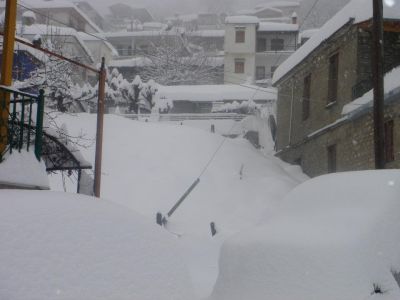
x=22, y=141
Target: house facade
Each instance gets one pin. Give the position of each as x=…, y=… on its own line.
x=254, y=49
x=318, y=85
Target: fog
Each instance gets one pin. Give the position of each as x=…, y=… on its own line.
x=321, y=12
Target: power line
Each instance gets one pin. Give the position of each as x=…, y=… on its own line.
x=300, y=25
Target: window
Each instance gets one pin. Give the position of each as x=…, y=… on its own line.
x=239, y=66
x=389, y=146
x=306, y=97
x=260, y=73
x=331, y=159
x=240, y=35
x=277, y=44
x=261, y=45
x=333, y=78
x=273, y=69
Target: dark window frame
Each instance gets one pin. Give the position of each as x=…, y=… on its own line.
x=258, y=77
x=389, y=141
x=261, y=44
x=240, y=35
x=239, y=66
x=277, y=44
x=332, y=158
x=306, y=97
x=333, y=78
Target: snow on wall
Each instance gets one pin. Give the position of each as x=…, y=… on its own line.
x=334, y=237
x=356, y=11
x=64, y=246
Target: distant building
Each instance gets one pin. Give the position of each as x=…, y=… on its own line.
x=275, y=11
x=254, y=49
x=62, y=13
x=92, y=13
x=139, y=43
x=205, y=98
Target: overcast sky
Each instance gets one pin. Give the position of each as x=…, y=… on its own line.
x=321, y=12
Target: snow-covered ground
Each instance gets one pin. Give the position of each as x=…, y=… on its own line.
x=335, y=237
x=63, y=246
x=148, y=166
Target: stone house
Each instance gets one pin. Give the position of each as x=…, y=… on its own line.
x=324, y=111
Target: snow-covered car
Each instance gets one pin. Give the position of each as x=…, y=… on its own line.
x=335, y=237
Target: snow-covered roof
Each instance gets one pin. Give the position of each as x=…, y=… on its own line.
x=333, y=237
x=144, y=33
x=208, y=33
x=45, y=30
x=271, y=26
x=66, y=246
x=308, y=33
x=391, y=86
x=242, y=20
x=60, y=4
x=98, y=38
x=39, y=55
x=206, y=93
x=145, y=61
x=355, y=11
x=130, y=62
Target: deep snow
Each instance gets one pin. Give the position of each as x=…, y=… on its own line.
x=148, y=166
x=64, y=246
x=335, y=237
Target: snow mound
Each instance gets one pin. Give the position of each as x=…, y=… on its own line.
x=13, y=171
x=335, y=237
x=64, y=246
x=148, y=166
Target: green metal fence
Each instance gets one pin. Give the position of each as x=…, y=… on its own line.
x=25, y=122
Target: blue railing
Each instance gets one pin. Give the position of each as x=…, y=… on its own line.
x=25, y=125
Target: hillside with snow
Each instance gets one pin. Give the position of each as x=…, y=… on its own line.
x=148, y=166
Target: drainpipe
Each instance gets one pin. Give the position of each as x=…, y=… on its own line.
x=291, y=114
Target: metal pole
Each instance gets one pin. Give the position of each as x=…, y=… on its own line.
x=99, y=133
x=378, y=83
x=6, y=69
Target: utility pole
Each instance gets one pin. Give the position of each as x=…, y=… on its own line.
x=99, y=132
x=378, y=83
x=6, y=69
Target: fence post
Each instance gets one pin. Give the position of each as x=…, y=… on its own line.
x=39, y=125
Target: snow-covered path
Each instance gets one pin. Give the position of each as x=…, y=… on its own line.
x=148, y=166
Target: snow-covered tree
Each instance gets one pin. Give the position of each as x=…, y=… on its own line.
x=173, y=62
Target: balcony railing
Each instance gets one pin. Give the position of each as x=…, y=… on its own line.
x=25, y=121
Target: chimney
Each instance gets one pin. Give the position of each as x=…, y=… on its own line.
x=294, y=18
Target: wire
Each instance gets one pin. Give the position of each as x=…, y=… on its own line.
x=59, y=22
x=300, y=26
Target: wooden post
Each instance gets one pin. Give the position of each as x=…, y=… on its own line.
x=99, y=133
x=6, y=68
x=378, y=83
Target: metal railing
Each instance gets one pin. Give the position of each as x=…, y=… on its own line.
x=185, y=117
x=25, y=125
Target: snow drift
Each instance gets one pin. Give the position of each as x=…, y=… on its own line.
x=335, y=237
x=63, y=246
